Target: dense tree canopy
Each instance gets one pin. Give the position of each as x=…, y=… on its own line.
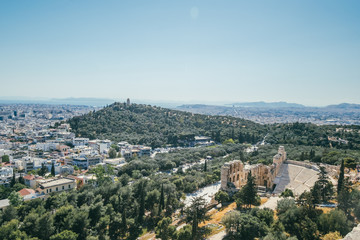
x=155, y=126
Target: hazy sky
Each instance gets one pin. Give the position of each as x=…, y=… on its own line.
x=202, y=51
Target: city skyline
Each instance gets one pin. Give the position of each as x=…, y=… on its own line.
x=190, y=51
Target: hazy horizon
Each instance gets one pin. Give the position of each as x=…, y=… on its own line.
x=172, y=103
x=301, y=52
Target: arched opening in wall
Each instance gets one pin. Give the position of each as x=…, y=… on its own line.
x=265, y=183
x=234, y=179
x=237, y=178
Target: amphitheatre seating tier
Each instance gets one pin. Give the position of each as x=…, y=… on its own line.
x=297, y=178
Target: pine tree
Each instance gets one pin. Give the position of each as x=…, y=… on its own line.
x=249, y=192
x=341, y=178
x=52, y=169
x=43, y=170
x=195, y=214
x=323, y=188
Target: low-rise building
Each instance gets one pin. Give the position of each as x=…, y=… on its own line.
x=30, y=180
x=47, y=146
x=6, y=172
x=86, y=161
x=80, y=162
x=4, y=203
x=56, y=185
x=114, y=161
x=66, y=169
x=80, y=141
x=27, y=193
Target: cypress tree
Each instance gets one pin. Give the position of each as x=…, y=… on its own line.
x=142, y=204
x=52, y=169
x=13, y=180
x=241, y=138
x=302, y=157
x=218, y=136
x=21, y=179
x=341, y=178
x=162, y=200
x=123, y=225
x=205, y=166
x=344, y=197
x=312, y=154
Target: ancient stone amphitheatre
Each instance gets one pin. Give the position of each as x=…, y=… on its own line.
x=295, y=177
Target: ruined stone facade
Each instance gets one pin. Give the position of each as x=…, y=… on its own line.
x=234, y=174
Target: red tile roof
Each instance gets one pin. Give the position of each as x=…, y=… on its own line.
x=29, y=177
x=26, y=191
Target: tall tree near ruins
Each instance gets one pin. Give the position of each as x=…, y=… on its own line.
x=341, y=178
x=247, y=195
x=195, y=214
x=344, y=197
x=323, y=188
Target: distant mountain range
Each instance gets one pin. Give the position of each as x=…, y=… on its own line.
x=267, y=105
x=272, y=105
x=170, y=104
x=345, y=106
x=282, y=112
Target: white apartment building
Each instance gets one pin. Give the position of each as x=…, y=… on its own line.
x=46, y=147
x=6, y=172
x=80, y=141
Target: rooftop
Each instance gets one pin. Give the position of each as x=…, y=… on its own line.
x=4, y=203
x=57, y=182
x=26, y=191
x=29, y=177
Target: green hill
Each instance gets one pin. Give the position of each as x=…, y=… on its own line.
x=156, y=126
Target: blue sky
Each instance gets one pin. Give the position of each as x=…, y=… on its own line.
x=189, y=51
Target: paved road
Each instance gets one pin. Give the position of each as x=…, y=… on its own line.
x=218, y=236
x=271, y=203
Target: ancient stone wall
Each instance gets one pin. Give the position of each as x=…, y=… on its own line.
x=234, y=174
